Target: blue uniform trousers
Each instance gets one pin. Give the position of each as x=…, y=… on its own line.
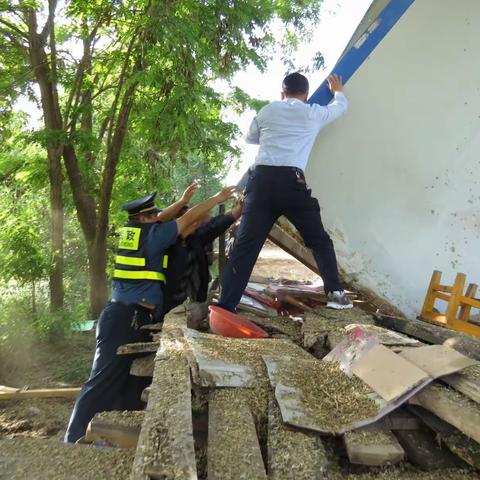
x=272, y=192
x=110, y=385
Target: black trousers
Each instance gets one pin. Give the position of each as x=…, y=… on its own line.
x=272, y=192
x=110, y=385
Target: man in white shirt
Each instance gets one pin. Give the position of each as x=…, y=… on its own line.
x=285, y=131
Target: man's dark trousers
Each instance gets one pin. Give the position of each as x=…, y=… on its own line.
x=110, y=386
x=272, y=192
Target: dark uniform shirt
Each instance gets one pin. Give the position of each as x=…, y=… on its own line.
x=159, y=238
x=188, y=265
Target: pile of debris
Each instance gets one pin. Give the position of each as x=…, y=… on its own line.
x=330, y=394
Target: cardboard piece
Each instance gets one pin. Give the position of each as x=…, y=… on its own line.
x=388, y=374
x=437, y=360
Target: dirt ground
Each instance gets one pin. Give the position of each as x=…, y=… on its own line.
x=63, y=363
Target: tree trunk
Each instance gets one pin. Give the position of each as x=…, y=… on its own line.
x=57, y=292
x=34, y=299
x=46, y=80
x=97, y=259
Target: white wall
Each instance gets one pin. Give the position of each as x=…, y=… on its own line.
x=398, y=177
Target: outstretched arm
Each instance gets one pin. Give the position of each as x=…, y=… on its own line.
x=338, y=106
x=172, y=211
x=200, y=210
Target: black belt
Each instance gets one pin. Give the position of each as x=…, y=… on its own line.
x=135, y=305
x=296, y=170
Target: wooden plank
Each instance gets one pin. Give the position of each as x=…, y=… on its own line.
x=19, y=394
x=373, y=448
x=212, y=370
x=429, y=333
x=293, y=247
x=140, y=347
x=467, y=382
x=430, y=296
x=120, y=429
x=165, y=447
x=143, y=366
x=458, y=443
x=233, y=448
x=454, y=302
x=399, y=419
x=437, y=360
x=451, y=406
x=293, y=454
x=423, y=451
x=387, y=373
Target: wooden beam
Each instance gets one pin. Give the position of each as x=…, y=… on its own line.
x=373, y=448
x=19, y=394
x=233, y=448
x=165, y=446
x=286, y=242
x=451, y=406
x=140, y=347
x=293, y=454
x=467, y=382
x=423, y=451
x=430, y=296
x=427, y=332
x=143, y=366
x=459, y=444
x=120, y=429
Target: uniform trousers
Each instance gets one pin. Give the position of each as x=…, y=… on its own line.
x=272, y=192
x=110, y=385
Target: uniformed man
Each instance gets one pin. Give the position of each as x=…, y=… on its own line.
x=285, y=132
x=137, y=290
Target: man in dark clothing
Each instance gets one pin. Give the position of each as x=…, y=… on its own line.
x=188, y=271
x=136, y=293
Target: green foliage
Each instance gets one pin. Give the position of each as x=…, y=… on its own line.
x=22, y=253
x=136, y=85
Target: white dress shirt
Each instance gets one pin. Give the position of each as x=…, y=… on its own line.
x=286, y=130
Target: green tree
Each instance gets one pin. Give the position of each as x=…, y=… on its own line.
x=145, y=68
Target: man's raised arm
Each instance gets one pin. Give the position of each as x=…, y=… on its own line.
x=172, y=211
x=338, y=106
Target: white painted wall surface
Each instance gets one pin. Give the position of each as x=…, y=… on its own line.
x=398, y=177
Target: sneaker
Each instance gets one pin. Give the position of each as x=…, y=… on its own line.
x=338, y=300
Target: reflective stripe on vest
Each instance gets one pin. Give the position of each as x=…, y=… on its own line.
x=138, y=275
x=165, y=261
x=134, y=261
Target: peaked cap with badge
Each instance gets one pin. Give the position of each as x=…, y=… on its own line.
x=142, y=205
